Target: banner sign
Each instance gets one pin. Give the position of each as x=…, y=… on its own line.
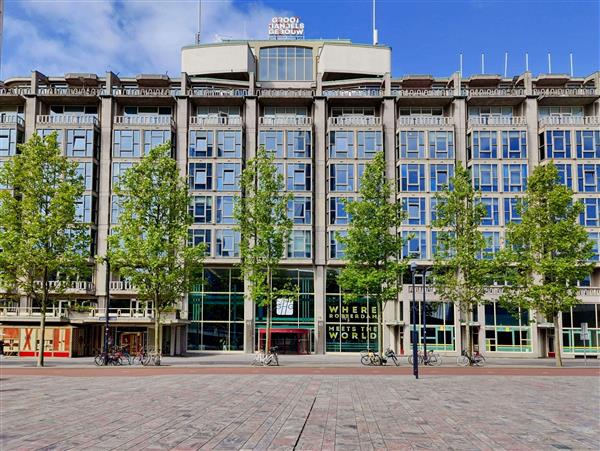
x=286, y=27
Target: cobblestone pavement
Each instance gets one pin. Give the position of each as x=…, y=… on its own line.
x=268, y=411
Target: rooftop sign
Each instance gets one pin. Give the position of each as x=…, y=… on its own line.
x=286, y=27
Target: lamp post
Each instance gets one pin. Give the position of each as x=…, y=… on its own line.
x=424, y=316
x=106, y=324
x=413, y=270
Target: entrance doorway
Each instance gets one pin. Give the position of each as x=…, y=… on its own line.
x=288, y=341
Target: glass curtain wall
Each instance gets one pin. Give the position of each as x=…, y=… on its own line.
x=582, y=313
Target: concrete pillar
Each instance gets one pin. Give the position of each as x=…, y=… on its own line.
x=320, y=313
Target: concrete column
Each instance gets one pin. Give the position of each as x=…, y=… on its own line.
x=320, y=313
x=459, y=117
x=481, y=317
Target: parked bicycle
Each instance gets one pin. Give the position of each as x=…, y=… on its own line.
x=390, y=355
x=431, y=359
x=266, y=359
x=370, y=358
x=465, y=359
x=152, y=358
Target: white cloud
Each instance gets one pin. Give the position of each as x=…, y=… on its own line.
x=128, y=37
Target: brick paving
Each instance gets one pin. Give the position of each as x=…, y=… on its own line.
x=298, y=411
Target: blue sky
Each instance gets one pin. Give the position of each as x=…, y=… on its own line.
x=134, y=36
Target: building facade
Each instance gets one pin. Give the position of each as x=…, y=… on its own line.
x=323, y=109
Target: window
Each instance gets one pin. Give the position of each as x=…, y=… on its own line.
x=298, y=177
x=337, y=211
x=228, y=175
x=413, y=177
x=299, y=144
x=225, y=205
x=299, y=210
x=44, y=133
x=484, y=145
x=590, y=216
x=8, y=142
x=116, y=208
x=86, y=172
x=564, y=174
x=515, y=177
x=441, y=145
x=415, y=210
x=200, y=176
x=126, y=143
x=337, y=250
x=588, y=143
x=412, y=145
x=595, y=237
x=492, y=240
x=205, y=111
x=369, y=143
x=487, y=111
x=341, y=144
x=492, y=216
x=154, y=138
x=299, y=245
x=201, y=144
x=80, y=143
x=118, y=169
x=415, y=245
x=228, y=243
x=514, y=144
x=83, y=209
x=557, y=145
x=510, y=210
x=285, y=64
x=440, y=176
x=147, y=110
x=361, y=171
x=272, y=140
x=439, y=241
x=341, y=177
x=560, y=111
x=588, y=178
x=201, y=209
x=485, y=177
x=229, y=144
x=200, y=237
x=433, y=207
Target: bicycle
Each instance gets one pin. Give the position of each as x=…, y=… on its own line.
x=464, y=359
x=152, y=359
x=140, y=357
x=390, y=354
x=431, y=359
x=370, y=358
x=269, y=359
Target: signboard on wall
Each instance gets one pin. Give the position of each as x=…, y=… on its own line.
x=286, y=27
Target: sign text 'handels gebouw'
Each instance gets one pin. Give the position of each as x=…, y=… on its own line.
x=286, y=26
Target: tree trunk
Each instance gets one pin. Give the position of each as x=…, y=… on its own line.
x=269, y=313
x=557, y=352
x=157, y=328
x=40, y=358
x=380, y=329
x=468, y=346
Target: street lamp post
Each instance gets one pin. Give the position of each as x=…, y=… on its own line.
x=423, y=312
x=413, y=270
x=106, y=324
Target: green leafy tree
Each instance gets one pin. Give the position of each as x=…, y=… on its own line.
x=373, y=245
x=261, y=217
x=148, y=246
x=547, y=252
x=43, y=244
x=461, y=269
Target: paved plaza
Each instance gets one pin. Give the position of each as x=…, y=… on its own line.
x=183, y=408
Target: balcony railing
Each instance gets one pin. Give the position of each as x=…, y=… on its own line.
x=273, y=92
x=70, y=285
x=358, y=92
x=57, y=311
x=215, y=120
x=16, y=91
x=436, y=92
x=570, y=120
x=353, y=121
x=497, y=290
x=146, y=92
x=496, y=92
x=123, y=313
x=121, y=285
x=67, y=119
x=423, y=121
x=217, y=92
x=514, y=121
x=12, y=119
x=565, y=92
x=285, y=120
x=144, y=120
x=70, y=91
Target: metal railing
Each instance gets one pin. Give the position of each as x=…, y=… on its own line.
x=121, y=285
x=353, y=121
x=515, y=121
x=69, y=285
x=570, y=120
x=357, y=92
x=217, y=92
x=285, y=120
x=67, y=119
x=435, y=92
x=11, y=118
x=420, y=121
x=15, y=311
x=70, y=91
x=564, y=92
x=496, y=92
x=127, y=312
x=274, y=92
x=498, y=290
x=16, y=91
x=215, y=120
x=146, y=92
x=156, y=119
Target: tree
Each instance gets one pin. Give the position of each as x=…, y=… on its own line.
x=148, y=246
x=43, y=243
x=461, y=269
x=262, y=219
x=547, y=252
x=373, y=245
